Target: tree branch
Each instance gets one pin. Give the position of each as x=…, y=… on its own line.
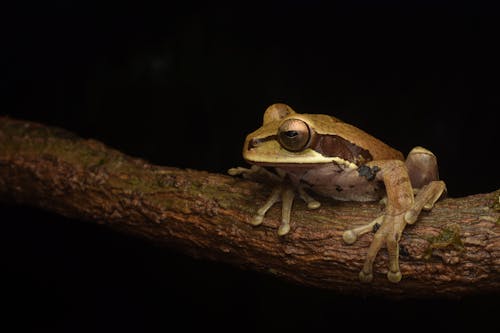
x=452, y=251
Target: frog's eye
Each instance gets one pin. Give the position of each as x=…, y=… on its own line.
x=294, y=135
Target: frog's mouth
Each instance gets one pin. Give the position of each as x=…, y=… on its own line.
x=269, y=152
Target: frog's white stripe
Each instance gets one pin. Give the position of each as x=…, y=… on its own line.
x=307, y=156
x=341, y=161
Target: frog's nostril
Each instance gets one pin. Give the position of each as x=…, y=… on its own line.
x=253, y=143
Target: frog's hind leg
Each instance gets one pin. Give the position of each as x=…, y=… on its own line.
x=419, y=171
x=422, y=167
x=424, y=176
x=425, y=199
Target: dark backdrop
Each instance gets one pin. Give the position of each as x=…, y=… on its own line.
x=181, y=84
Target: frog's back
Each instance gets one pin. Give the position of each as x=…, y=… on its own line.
x=329, y=125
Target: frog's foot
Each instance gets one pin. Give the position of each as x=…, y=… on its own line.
x=286, y=194
x=283, y=191
x=389, y=234
x=425, y=199
x=388, y=230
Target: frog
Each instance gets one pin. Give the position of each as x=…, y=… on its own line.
x=315, y=154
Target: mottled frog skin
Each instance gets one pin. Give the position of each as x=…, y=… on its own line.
x=337, y=181
x=321, y=154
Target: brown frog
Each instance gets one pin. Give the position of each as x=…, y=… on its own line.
x=322, y=154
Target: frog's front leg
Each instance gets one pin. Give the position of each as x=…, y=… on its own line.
x=424, y=176
x=285, y=193
x=282, y=191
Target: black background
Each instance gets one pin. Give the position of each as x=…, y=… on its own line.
x=181, y=84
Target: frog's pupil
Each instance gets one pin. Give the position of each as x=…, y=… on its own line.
x=291, y=134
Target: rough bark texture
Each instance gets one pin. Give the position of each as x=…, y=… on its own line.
x=452, y=251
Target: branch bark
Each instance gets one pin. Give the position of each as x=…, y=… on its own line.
x=452, y=251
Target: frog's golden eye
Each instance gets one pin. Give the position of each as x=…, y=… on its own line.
x=294, y=135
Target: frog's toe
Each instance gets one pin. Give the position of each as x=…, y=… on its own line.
x=257, y=220
x=237, y=171
x=283, y=229
x=394, y=276
x=349, y=237
x=365, y=277
x=311, y=203
x=352, y=235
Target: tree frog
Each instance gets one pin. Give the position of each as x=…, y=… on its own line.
x=322, y=154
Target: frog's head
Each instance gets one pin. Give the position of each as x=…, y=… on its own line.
x=290, y=138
